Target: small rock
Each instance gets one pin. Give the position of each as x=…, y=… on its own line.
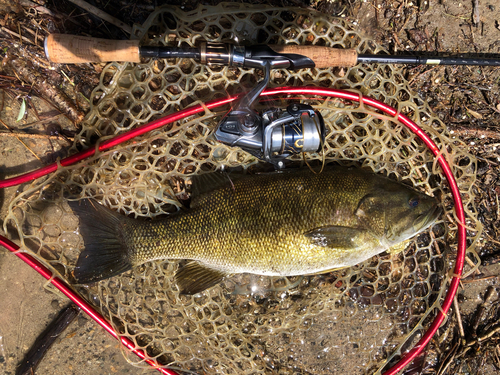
x=417, y=36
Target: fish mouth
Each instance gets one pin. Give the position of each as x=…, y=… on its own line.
x=424, y=221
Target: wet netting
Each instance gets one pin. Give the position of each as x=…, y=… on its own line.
x=357, y=320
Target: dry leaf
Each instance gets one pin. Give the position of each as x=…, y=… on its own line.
x=475, y=114
x=22, y=111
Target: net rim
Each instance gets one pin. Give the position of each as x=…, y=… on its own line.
x=307, y=90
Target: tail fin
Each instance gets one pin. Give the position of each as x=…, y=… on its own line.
x=105, y=254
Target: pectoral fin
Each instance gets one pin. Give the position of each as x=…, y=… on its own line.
x=337, y=237
x=194, y=278
x=398, y=247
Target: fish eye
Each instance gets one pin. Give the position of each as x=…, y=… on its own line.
x=414, y=202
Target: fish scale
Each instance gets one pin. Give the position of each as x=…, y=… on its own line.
x=280, y=224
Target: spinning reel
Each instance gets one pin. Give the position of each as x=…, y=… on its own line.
x=273, y=134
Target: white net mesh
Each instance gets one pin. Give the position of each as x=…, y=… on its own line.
x=352, y=321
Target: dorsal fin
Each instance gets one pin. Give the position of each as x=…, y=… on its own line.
x=206, y=183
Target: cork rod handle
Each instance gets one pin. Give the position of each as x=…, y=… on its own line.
x=72, y=49
x=323, y=57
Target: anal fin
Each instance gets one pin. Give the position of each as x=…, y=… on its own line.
x=194, y=278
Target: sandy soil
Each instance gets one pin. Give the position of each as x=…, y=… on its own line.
x=28, y=305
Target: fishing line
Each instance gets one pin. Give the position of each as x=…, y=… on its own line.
x=322, y=142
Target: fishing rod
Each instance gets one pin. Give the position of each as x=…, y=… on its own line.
x=271, y=135
x=72, y=49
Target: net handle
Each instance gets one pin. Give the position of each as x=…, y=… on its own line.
x=308, y=90
x=78, y=300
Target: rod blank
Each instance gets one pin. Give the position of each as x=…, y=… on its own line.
x=425, y=60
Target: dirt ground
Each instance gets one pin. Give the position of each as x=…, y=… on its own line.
x=465, y=98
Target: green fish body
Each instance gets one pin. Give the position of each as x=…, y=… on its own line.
x=279, y=224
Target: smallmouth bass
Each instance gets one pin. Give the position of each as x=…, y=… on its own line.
x=278, y=224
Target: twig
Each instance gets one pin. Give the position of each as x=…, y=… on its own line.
x=44, y=87
x=468, y=281
x=459, y=318
x=497, y=352
x=449, y=358
x=491, y=259
x=396, y=39
x=8, y=77
x=20, y=140
x=37, y=7
x=474, y=269
x=475, y=15
x=28, y=135
x=19, y=32
x=472, y=265
x=498, y=212
x=489, y=334
x=35, y=34
x=491, y=239
x=475, y=133
x=478, y=316
x=15, y=34
x=43, y=120
x=421, y=74
x=103, y=15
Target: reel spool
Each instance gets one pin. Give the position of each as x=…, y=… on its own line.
x=276, y=133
